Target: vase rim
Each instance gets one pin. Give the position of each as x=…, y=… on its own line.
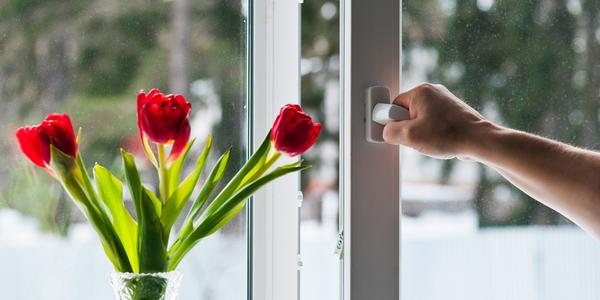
x=174, y=272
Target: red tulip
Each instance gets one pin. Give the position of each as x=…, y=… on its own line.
x=294, y=131
x=164, y=119
x=55, y=130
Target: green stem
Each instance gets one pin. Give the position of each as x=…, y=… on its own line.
x=271, y=159
x=163, y=178
x=163, y=175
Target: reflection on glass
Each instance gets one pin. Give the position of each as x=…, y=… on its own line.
x=531, y=65
x=90, y=58
x=319, y=276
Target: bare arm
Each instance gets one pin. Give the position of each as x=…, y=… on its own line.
x=561, y=176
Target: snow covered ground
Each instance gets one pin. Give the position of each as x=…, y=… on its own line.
x=443, y=257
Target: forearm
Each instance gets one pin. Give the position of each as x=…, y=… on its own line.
x=441, y=125
x=562, y=177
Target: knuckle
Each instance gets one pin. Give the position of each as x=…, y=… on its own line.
x=426, y=86
x=440, y=87
x=425, y=89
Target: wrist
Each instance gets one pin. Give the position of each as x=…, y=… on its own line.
x=479, y=141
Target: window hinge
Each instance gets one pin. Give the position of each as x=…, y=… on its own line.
x=299, y=198
x=299, y=262
x=339, y=245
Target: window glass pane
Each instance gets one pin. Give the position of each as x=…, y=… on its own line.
x=319, y=276
x=90, y=58
x=532, y=65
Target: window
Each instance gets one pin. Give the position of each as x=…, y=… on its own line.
x=466, y=232
x=90, y=58
x=319, y=226
x=462, y=231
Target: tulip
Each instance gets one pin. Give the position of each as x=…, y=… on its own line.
x=164, y=119
x=294, y=131
x=55, y=130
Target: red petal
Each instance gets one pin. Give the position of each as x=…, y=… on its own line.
x=181, y=140
x=59, y=130
x=32, y=146
x=293, y=131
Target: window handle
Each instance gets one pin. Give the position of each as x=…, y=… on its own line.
x=379, y=111
x=385, y=113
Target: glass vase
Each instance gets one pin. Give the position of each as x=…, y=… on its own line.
x=146, y=286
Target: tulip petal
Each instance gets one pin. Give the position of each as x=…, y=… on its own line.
x=293, y=131
x=164, y=119
x=31, y=145
x=59, y=129
x=181, y=140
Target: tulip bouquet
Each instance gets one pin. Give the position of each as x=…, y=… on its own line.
x=141, y=243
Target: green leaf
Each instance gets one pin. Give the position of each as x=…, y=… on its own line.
x=133, y=181
x=177, y=201
x=155, y=201
x=233, y=205
x=250, y=167
x=110, y=242
x=174, y=170
x=62, y=164
x=228, y=217
x=210, y=222
x=73, y=179
x=110, y=190
x=87, y=183
x=153, y=253
x=209, y=185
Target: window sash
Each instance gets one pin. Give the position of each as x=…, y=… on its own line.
x=370, y=176
x=370, y=173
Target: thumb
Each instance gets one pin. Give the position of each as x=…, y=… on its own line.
x=397, y=133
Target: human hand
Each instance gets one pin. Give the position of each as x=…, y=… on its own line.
x=441, y=125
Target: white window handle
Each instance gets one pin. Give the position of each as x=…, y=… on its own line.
x=379, y=111
x=385, y=113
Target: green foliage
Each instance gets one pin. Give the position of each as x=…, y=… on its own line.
x=174, y=170
x=212, y=220
x=183, y=191
x=141, y=246
x=68, y=171
x=207, y=189
x=153, y=256
x=110, y=190
x=133, y=181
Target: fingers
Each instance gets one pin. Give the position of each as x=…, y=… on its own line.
x=404, y=99
x=397, y=133
x=423, y=90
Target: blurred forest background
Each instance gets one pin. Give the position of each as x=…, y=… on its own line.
x=90, y=58
x=531, y=65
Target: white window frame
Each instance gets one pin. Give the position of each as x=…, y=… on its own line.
x=275, y=81
x=370, y=173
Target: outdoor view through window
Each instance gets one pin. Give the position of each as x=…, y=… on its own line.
x=90, y=58
x=319, y=274
x=466, y=232
x=532, y=65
